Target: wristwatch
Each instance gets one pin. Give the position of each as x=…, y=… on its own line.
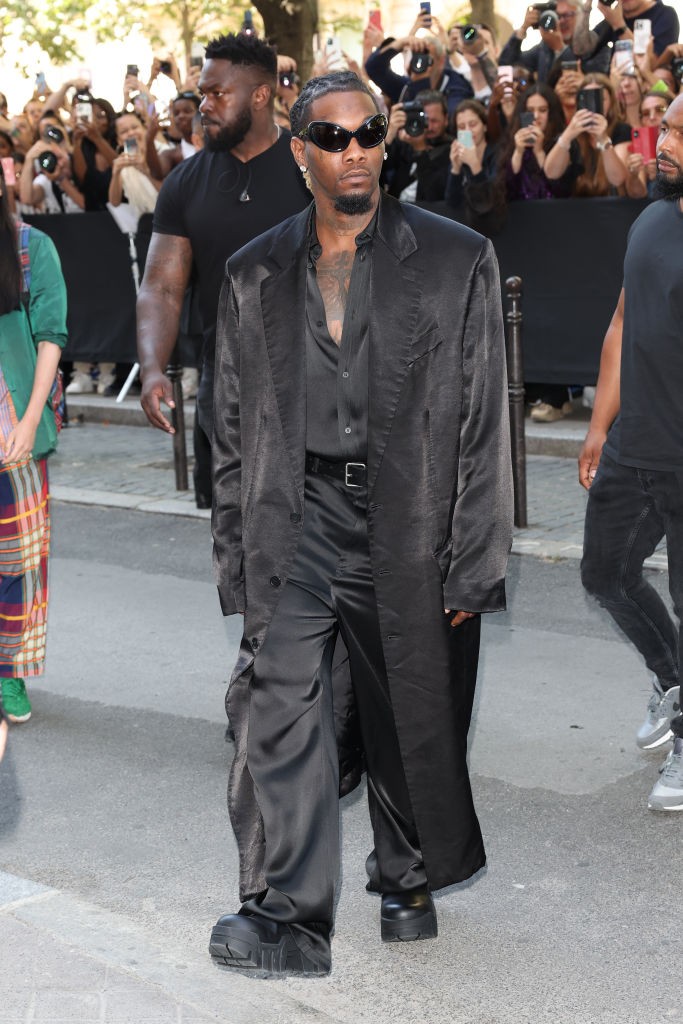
x=619, y=31
x=604, y=145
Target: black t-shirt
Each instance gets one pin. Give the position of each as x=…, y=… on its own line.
x=648, y=432
x=200, y=200
x=665, y=28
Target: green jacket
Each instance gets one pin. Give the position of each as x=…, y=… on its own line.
x=19, y=338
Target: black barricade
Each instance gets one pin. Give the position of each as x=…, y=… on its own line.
x=568, y=252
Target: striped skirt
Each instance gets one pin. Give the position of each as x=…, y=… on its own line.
x=24, y=549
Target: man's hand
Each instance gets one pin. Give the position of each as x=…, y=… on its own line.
x=614, y=16
x=157, y=388
x=553, y=38
x=397, y=119
x=589, y=456
x=530, y=21
x=460, y=617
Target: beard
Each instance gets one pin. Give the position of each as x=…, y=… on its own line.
x=354, y=204
x=669, y=188
x=230, y=135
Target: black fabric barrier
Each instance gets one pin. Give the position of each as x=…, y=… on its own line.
x=570, y=255
x=568, y=252
x=99, y=281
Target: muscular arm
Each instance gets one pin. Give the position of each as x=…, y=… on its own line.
x=607, y=397
x=167, y=273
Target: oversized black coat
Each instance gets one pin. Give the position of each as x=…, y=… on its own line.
x=439, y=491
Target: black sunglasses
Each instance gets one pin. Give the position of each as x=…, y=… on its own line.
x=334, y=139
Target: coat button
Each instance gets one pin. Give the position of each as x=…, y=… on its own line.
x=254, y=643
x=275, y=581
x=294, y=517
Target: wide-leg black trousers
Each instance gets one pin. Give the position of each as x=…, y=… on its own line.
x=291, y=747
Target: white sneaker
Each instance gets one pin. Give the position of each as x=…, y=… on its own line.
x=667, y=794
x=662, y=707
x=81, y=384
x=105, y=383
x=190, y=381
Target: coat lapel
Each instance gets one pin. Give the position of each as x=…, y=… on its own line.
x=283, y=302
x=394, y=305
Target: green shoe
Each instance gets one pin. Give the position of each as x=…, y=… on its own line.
x=15, y=700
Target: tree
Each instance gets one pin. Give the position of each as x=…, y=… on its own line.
x=24, y=23
x=290, y=25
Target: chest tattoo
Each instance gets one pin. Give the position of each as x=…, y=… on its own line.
x=334, y=276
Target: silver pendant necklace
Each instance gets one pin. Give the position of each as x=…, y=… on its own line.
x=244, y=194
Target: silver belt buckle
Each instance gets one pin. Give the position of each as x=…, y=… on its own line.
x=349, y=465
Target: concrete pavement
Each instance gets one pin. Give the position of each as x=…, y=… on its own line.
x=103, y=917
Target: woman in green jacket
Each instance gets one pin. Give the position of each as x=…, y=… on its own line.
x=32, y=335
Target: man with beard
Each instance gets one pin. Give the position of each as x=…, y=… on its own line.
x=242, y=183
x=362, y=487
x=632, y=459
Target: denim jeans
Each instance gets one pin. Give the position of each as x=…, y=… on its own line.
x=629, y=511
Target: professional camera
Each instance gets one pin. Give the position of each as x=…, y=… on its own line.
x=470, y=34
x=548, y=21
x=54, y=134
x=420, y=62
x=288, y=79
x=47, y=161
x=677, y=68
x=416, y=119
x=548, y=5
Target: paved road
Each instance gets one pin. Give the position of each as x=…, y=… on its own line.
x=114, y=844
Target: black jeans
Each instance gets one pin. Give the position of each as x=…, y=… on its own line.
x=629, y=511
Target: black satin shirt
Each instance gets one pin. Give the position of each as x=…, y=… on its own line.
x=337, y=376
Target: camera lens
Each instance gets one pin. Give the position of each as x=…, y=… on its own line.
x=48, y=161
x=548, y=21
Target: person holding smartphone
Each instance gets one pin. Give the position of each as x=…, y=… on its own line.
x=472, y=188
x=556, y=42
x=131, y=179
x=535, y=126
x=619, y=22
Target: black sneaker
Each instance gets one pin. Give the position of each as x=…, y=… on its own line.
x=252, y=942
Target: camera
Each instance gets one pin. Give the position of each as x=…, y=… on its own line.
x=548, y=21
x=677, y=68
x=416, y=119
x=419, y=63
x=288, y=79
x=470, y=34
x=548, y=5
x=54, y=134
x=47, y=161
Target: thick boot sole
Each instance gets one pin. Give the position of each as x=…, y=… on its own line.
x=234, y=948
x=423, y=927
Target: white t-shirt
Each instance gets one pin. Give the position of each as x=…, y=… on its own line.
x=50, y=203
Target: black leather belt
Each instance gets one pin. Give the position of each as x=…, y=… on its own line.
x=353, y=474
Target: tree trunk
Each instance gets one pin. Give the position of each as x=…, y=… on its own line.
x=292, y=34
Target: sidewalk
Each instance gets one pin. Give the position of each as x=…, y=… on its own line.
x=104, y=460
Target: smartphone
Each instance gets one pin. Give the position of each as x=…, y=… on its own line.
x=165, y=67
x=426, y=8
x=589, y=99
x=644, y=140
x=83, y=111
x=130, y=146
x=570, y=65
x=623, y=56
x=642, y=34
x=133, y=70
x=248, y=24
x=41, y=84
x=9, y=172
x=526, y=119
x=505, y=73
x=465, y=139
x=333, y=54
x=375, y=19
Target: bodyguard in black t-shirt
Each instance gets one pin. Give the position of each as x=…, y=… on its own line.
x=635, y=472
x=241, y=184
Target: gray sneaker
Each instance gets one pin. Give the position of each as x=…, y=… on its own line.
x=663, y=706
x=667, y=794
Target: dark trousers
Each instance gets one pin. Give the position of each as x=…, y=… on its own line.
x=629, y=511
x=291, y=748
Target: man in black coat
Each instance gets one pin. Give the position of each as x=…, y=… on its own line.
x=362, y=487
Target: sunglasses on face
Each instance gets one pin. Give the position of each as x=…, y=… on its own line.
x=335, y=139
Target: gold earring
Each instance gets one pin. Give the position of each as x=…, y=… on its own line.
x=306, y=176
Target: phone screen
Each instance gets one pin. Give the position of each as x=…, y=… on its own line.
x=642, y=33
x=9, y=170
x=465, y=139
x=130, y=146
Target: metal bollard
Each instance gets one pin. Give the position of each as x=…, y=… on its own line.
x=174, y=372
x=515, y=365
